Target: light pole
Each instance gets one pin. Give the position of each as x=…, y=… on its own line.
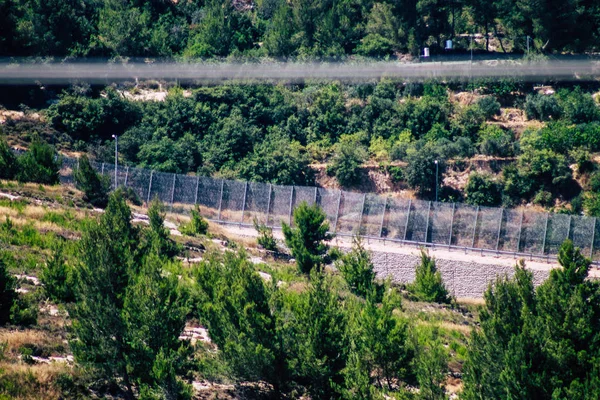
x=436, y=180
x=116, y=158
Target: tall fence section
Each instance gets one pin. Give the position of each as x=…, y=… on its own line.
x=408, y=221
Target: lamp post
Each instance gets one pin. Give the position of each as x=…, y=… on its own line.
x=116, y=158
x=436, y=180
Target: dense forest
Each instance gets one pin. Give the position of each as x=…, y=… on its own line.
x=299, y=28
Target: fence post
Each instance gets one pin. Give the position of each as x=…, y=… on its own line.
x=383, y=216
x=269, y=203
x=545, y=232
x=197, y=188
x=520, y=230
x=316, y=195
x=362, y=212
x=221, y=200
x=569, y=227
x=126, y=176
x=475, y=227
x=173, y=191
x=102, y=170
x=149, y=188
x=244, y=203
x=593, y=236
x=452, y=224
x=407, y=218
x=291, y=203
x=499, y=229
x=337, y=211
x=427, y=222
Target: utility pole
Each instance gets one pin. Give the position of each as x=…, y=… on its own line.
x=436, y=180
x=116, y=158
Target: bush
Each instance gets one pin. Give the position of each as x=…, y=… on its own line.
x=357, y=269
x=580, y=107
x=158, y=237
x=24, y=311
x=428, y=285
x=543, y=198
x=483, y=190
x=265, y=236
x=420, y=173
x=94, y=186
x=40, y=164
x=489, y=106
x=8, y=161
x=197, y=225
x=7, y=291
x=306, y=240
x=349, y=154
x=57, y=278
x=543, y=108
x=583, y=159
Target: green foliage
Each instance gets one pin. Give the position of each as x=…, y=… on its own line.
x=197, y=225
x=430, y=364
x=158, y=237
x=24, y=311
x=7, y=291
x=579, y=107
x=538, y=342
x=233, y=301
x=489, y=106
x=542, y=107
x=494, y=141
x=420, y=173
x=128, y=313
x=40, y=164
x=57, y=278
x=483, y=190
x=306, y=239
x=265, y=236
x=8, y=160
x=428, y=284
x=349, y=154
x=94, y=186
x=357, y=269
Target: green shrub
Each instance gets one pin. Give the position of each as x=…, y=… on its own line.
x=428, y=284
x=583, y=159
x=543, y=198
x=158, y=237
x=542, y=107
x=57, y=278
x=483, y=190
x=579, y=107
x=24, y=311
x=306, y=239
x=265, y=236
x=95, y=187
x=8, y=161
x=7, y=290
x=349, y=154
x=420, y=173
x=197, y=225
x=357, y=269
x=489, y=106
x=39, y=164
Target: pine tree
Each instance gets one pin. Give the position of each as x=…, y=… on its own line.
x=428, y=284
x=7, y=291
x=94, y=186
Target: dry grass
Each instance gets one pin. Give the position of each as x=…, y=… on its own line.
x=24, y=382
x=17, y=339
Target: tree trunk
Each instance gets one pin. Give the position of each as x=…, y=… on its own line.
x=499, y=39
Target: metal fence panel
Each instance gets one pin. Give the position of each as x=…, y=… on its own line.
x=328, y=200
x=350, y=213
x=66, y=172
x=372, y=215
x=464, y=225
x=185, y=194
x=209, y=197
x=257, y=202
x=138, y=181
x=418, y=222
x=394, y=223
x=532, y=232
x=486, y=232
x=582, y=229
x=303, y=194
x=510, y=231
x=557, y=231
x=441, y=222
x=233, y=201
x=280, y=206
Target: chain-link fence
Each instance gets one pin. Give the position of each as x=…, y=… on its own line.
x=422, y=223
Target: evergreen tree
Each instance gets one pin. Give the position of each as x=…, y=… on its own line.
x=7, y=291
x=306, y=239
x=57, y=277
x=8, y=160
x=357, y=269
x=40, y=164
x=428, y=284
x=94, y=186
